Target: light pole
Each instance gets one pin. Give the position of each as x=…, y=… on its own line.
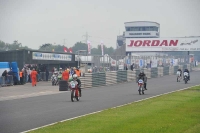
x=79, y=56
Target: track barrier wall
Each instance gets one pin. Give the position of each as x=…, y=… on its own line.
x=112, y=77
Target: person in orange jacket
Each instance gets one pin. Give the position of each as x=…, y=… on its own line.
x=78, y=72
x=34, y=77
x=65, y=75
x=21, y=77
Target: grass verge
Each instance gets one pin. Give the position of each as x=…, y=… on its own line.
x=178, y=112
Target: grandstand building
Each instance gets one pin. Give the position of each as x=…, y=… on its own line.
x=137, y=29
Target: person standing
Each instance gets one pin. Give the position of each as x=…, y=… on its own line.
x=21, y=77
x=29, y=75
x=34, y=77
x=47, y=74
x=65, y=75
x=78, y=72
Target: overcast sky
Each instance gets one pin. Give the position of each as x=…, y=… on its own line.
x=35, y=22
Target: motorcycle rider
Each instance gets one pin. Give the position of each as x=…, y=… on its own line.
x=75, y=77
x=180, y=71
x=186, y=70
x=144, y=78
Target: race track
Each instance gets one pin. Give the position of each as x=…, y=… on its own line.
x=25, y=113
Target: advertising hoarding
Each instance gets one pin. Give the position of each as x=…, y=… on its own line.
x=51, y=56
x=163, y=44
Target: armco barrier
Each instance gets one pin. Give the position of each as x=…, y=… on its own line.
x=166, y=71
x=98, y=79
x=112, y=77
x=86, y=81
x=175, y=69
x=171, y=70
x=131, y=75
x=154, y=72
x=160, y=71
x=121, y=76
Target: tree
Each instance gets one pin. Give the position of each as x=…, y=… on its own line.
x=14, y=46
x=79, y=46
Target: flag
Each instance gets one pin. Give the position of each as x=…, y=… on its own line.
x=89, y=47
x=102, y=48
x=65, y=49
x=70, y=50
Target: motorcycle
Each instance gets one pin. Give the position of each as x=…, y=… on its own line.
x=54, y=80
x=141, y=86
x=74, y=91
x=178, y=76
x=186, y=76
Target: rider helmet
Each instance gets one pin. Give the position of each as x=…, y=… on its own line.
x=75, y=76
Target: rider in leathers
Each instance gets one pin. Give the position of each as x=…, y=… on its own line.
x=180, y=71
x=186, y=70
x=144, y=78
x=79, y=82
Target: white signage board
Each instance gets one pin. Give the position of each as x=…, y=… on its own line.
x=51, y=56
x=154, y=63
x=163, y=44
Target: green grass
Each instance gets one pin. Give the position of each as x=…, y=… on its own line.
x=177, y=112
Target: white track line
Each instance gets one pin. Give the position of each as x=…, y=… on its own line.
x=106, y=109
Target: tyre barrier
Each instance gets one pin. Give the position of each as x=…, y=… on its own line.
x=63, y=85
x=90, y=80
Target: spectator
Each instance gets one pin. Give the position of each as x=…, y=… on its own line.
x=5, y=73
x=34, y=77
x=21, y=77
x=38, y=75
x=29, y=75
x=65, y=75
x=47, y=74
x=78, y=72
x=71, y=72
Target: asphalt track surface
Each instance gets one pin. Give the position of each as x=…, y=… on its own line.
x=25, y=112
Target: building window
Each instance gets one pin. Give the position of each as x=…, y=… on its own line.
x=147, y=28
x=127, y=28
x=135, y=28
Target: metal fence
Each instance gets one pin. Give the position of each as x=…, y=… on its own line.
x=6, y=80
x=43, y=77
x=116, y=63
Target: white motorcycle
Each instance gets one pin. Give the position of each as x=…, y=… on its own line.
x=186, y=77
x=178, y=76
x=54, y=80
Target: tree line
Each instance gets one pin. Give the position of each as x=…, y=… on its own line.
x=58, y=48
x=13, y=46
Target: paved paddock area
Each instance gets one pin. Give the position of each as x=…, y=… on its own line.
x=26, y=90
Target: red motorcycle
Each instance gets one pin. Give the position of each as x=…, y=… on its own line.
x=74, y=91
x=141, y=86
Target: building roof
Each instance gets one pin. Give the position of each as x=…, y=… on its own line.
x=32, y=50
x=142, y=21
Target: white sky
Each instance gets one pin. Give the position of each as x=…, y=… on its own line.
x=35, y=22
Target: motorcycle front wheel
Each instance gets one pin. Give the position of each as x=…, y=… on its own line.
x=77, y=95
x=72, y=95
x=140, y=90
